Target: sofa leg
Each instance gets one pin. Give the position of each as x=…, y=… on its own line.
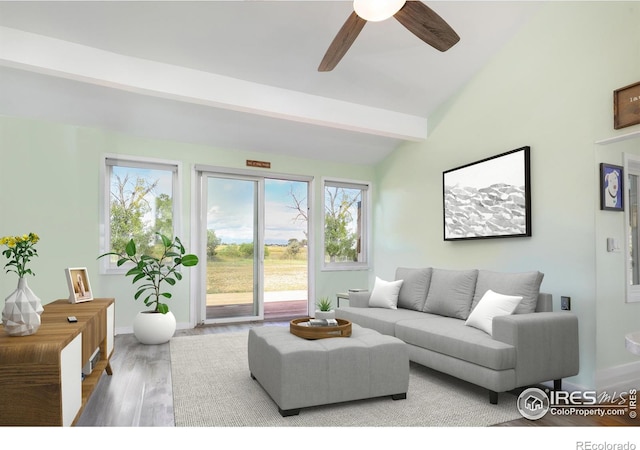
x=399, y=396
x=493, y=397
x=289, y=412
x=557, y=384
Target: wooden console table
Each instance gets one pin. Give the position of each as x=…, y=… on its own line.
x=41, y=380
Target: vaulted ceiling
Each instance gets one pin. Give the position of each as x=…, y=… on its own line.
x=241, y=74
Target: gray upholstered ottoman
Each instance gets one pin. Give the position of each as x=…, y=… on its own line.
x=299, y=373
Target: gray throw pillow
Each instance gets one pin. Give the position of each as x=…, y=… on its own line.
x=413, y=292
x=451, y=293
x=525, y=284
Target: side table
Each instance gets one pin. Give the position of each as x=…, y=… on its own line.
x=343, y=296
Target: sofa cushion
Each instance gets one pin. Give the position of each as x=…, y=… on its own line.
x=451, y=292
x=453, y=338
x=381, y=320
x=415, y=286
x=385, y=294
x=492, y=305
x=525, y=284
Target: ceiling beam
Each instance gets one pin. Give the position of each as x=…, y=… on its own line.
x=55, y=57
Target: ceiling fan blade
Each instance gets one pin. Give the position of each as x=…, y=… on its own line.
x=342, y=42
x=427, y=25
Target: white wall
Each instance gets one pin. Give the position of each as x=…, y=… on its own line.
x=550, y=88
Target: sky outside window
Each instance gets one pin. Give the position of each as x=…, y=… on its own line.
x=232, y=220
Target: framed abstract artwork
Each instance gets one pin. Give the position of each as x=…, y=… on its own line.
x=488, y=199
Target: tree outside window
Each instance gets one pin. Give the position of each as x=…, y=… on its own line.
x=344, y=227
x=140, y=204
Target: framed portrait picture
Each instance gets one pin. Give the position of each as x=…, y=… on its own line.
x=611, y=187
x=78, y=283
x=488, y=199
x=626, y=106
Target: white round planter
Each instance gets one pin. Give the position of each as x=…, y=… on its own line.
x=325, y=315
x=154, y=328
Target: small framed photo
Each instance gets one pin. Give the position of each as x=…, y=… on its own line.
x=611, y=187
x=626, y=106
x=78, y=283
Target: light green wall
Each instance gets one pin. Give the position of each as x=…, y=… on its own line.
x=550, y=88
x=50, y=184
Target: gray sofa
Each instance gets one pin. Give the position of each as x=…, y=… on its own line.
x=527, y=347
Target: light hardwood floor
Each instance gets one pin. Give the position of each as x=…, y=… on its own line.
x=139, y=392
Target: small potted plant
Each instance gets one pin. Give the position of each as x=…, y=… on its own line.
x=157, y=325
x=325, y=309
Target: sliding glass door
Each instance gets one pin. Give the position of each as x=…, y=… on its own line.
x=286, y=260
x=255, y=234
x=234, y=256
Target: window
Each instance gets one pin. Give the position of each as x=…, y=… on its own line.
x=632, y=248
x=140, y=200
x=346, y=219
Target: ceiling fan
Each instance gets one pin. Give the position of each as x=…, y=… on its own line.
x=414, y=15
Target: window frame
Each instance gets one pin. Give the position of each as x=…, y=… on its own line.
x=365, y=231
x=631, y=167
x=111, y=160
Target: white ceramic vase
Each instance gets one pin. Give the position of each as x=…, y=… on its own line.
x=151, y=327
x=22, y=309
x=325, y=315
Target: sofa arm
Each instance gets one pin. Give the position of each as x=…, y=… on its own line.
x=546, y=344
x=359, y=299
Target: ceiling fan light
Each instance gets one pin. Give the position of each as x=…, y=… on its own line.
x=377, y=10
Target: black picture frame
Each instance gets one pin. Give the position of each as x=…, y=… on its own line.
x=488, y=199
x=611, y=187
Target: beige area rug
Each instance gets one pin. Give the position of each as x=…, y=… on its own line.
x=212, y=387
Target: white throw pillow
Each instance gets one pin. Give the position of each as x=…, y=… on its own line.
x=492, y=305
x=385, y=294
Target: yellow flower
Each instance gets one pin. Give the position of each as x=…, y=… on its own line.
x=20, y=251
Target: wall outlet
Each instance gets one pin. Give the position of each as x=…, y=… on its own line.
x=565, y=303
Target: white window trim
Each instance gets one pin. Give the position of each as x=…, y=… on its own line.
x=105, y=200
x=631, y=167
x=366, y=225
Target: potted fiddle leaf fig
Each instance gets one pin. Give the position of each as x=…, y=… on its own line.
x=158, y=324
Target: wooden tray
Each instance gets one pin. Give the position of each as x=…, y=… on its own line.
x=342, y=330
